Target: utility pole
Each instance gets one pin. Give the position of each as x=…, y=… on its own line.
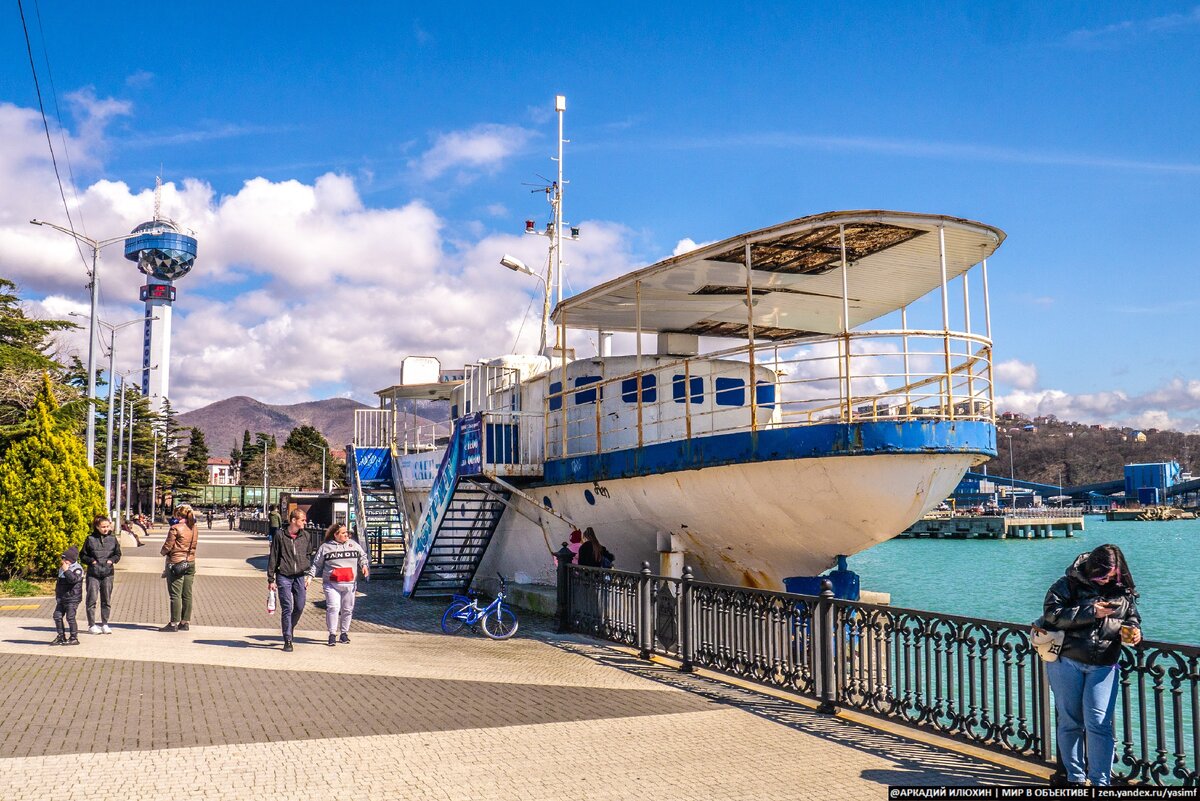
x=266, y=481
x=324, y=483
x=154, y=478
x=120, y=459
x=129, y=468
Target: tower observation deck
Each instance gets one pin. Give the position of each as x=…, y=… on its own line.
x=162, y=253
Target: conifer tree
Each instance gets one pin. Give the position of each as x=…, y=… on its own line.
x=50, y=494
x=195, y=461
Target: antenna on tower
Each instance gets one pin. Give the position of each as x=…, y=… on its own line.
x=158, y=196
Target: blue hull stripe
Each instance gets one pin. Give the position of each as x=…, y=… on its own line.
x=801, y=442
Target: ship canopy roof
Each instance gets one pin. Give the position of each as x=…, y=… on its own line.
x=796, y=278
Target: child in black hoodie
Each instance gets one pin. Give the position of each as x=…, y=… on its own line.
x=68, y=592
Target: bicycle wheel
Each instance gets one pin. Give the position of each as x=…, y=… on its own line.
x=451, y=624
x=500, y=624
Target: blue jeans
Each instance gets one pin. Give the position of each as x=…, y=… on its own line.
x=1085, y=698
x=292, y=597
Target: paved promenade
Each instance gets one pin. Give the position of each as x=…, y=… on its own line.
x=401, y=712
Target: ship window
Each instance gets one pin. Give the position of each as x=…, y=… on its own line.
x=679, y=395
x=730, y=392
x=587, y=395
x=454, y=412
x=649, y=390
x=555, y=398
x=764, y=395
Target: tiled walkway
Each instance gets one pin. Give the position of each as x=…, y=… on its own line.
x=401, y=712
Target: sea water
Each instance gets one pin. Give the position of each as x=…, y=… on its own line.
x=1006, y=580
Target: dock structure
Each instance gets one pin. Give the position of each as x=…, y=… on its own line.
x=997, y=527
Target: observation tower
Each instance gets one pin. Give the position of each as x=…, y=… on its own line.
x=162, y=253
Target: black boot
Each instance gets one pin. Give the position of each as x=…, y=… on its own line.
x=287, y=645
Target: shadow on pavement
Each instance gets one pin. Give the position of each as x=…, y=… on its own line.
x=238, y=644
x=916, y=764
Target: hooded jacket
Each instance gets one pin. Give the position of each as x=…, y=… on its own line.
x=1070, y=607
x=69, y=586
x=98, y=550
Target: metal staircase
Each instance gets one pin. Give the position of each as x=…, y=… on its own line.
x=462, y=538
x=378, y=517
x=383, y=525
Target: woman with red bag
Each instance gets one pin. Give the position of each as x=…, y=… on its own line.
x=336, y=562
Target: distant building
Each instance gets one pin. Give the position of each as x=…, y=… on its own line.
x=222, y=471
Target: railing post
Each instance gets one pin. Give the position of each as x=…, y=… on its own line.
x=826, y=632
x=564, y=557
x=1043, y=711
x=685, y=620
x=646, y=616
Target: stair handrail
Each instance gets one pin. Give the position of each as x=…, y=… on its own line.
x=445, y=482
x=527, y=497
x=398, y=494
x=356, y=493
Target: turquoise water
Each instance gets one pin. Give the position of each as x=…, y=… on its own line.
x=1007, y=579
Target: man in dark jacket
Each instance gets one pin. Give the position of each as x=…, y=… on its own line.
x=68, y=591
x=101, y=551
x=290, y=558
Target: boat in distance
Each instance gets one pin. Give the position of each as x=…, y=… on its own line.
x=756, y=429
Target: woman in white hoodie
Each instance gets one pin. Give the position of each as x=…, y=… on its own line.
x=337, y=562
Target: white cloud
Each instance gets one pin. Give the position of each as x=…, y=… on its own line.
x=687, y=245
x=1016, y=373
x=1173, y=405
x=482, y=148
x=336, y=293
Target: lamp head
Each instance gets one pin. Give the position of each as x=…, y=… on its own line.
x=514, y=264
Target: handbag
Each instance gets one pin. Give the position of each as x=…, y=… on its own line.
x=179, y=569
x=341, y=574
x=1047, y=643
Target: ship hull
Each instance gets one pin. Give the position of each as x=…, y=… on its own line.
x=750, y=524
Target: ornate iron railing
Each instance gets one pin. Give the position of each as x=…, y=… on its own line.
x=978, y=681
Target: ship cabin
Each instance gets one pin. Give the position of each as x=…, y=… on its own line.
x=761, y=332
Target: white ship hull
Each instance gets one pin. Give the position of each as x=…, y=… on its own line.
x=750, y=524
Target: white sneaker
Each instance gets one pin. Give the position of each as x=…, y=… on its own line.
x=106, y=629
x=94, y=629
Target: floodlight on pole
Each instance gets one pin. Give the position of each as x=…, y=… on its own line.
x=518, y=266
x=94, y=286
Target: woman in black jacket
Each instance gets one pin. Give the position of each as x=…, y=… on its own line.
x=1095, y=606
x=101, y=551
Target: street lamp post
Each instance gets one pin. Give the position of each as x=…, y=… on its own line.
x=112, y=350
x=1012, y=475
x=94, y=286
x=324, y=482
x=120, y=458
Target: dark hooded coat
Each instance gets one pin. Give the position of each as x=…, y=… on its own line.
x=1070, y=607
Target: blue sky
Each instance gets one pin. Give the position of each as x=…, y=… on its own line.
x=1070, y=126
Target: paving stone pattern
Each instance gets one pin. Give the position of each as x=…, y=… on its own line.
x=404, y=712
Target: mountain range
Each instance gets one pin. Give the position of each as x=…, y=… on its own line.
x=224, y=422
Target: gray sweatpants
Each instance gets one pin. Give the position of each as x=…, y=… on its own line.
x=339, y=606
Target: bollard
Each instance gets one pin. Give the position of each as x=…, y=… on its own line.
x=685, y=620
x=646, y=616
x=827, y=635
x=564, y=556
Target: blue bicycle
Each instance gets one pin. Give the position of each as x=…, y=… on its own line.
x=497, y=619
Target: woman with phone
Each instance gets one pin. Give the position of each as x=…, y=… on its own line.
x=1095, y=606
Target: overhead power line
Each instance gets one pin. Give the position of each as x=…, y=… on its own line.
x=46, y=126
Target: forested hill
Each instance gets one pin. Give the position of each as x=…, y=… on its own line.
x=1083, y=454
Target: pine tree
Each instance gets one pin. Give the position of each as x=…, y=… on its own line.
x=50, y=494
x=195, y=461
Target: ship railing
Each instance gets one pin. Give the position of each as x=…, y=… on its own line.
x=513, y=443
x=972, y=680
x=419, y=438
x=863, y=376
x=373, y=428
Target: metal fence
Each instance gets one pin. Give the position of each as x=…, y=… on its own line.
x=978, y=681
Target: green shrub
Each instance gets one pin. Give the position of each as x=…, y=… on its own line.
x=50, y=494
